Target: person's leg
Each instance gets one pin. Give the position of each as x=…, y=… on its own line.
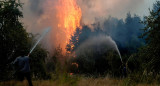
x=27, y=75
x=20, y=76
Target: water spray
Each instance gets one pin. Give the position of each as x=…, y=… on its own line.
x=116, y=49
x=118, y=52
x=41, y=37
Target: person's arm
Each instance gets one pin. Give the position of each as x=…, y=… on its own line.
x=16, y=60
x=15, y=63
x=28, y=55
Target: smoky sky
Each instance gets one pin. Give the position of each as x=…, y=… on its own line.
x=36, y=6
x=39, y=14
x=92, y=9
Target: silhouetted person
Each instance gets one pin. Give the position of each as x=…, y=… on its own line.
x=124, y=70
x=23, y=68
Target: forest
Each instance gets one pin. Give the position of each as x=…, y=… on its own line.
x=95, y=54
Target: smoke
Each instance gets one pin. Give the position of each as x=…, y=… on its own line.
x=39, y=14
x=36, y=6
x=49, y=11
x=124, y=33
x=92, y=9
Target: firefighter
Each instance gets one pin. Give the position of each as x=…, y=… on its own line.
x=22, y=68
x=124, y=71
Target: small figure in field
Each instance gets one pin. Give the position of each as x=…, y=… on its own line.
x=23, y=68
x=124, y=71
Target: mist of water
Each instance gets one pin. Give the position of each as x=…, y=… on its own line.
x=116, y=47
x=97, y=45
x=41, y=37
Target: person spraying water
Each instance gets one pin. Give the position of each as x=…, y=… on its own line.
x=21, y=63
x=22, y=67
x=124, y=69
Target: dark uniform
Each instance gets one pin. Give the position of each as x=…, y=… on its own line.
x=124, y=71
x=23, y=68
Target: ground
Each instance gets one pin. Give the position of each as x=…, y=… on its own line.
x=80, y=82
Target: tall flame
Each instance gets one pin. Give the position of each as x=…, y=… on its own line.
x=69, y=15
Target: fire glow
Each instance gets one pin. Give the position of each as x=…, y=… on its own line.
x=69, y=15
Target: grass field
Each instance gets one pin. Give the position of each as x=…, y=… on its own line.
x=72, y=81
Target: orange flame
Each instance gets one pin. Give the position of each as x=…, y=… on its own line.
x=76, y=64
x=69, y=15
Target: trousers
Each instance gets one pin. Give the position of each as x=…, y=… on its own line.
x=27, y=75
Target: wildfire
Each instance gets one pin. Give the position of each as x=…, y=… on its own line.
x=69, y=16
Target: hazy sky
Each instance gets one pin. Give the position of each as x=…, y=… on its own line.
x=35, y=9
x=143, y=10
x=39, y=14
x=92, y=9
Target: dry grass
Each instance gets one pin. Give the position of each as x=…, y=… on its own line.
x=98, y=82
x=24, y=83
x=81, y=82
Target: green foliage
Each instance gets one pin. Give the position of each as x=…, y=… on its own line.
x=124, y=33
x=133, y=63
x=56, y=61
x=57, y=66
x=140, y=78
x=115, y=65
x=150, y=53
x=14, y=40
x=13, y=37
x=65, y=78
x=144, y=65
x=38, y=67
x=96, y=64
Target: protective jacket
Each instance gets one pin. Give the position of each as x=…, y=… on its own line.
x=22, y=64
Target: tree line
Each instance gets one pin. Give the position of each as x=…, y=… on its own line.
x=137, y=39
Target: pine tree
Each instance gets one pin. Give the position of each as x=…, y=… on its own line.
x=150, y=54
